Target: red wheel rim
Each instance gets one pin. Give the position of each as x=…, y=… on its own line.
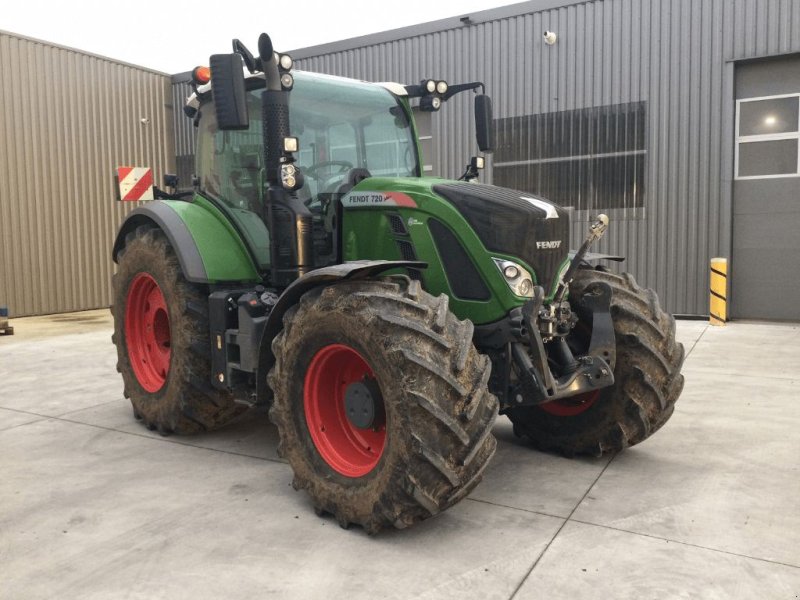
x=570, y=407
x=147, y=332
x=348, y=450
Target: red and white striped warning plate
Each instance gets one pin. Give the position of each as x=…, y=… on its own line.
x=135, y=183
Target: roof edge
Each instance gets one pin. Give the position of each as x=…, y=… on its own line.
x=123, y=63
x=456, y=22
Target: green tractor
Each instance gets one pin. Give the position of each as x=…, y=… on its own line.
x=383, y=317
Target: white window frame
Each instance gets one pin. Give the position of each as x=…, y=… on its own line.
x=768, y=137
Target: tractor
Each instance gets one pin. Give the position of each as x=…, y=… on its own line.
x=383, y=318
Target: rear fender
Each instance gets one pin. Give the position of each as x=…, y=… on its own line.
x=209, y=251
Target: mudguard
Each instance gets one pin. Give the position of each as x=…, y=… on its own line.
x=359, y=269
x=208, y=249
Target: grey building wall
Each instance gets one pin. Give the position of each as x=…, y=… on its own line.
x=678, y=56
x=67, y=120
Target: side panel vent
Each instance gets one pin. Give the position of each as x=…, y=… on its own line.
x=407, y=250
x=408, y=253
x=396, y=224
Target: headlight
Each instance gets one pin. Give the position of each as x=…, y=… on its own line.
x=286, y=62
x=517, y=278
x=287, y=81
x=430, y=85
x=291, y=177
x=290, y=144
x=441, y=87
x=430, y=103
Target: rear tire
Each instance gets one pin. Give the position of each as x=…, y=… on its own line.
x=647, y=379
x=162, y=338
x=431, y=446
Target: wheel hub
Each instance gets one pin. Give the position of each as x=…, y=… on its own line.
x=363, y=403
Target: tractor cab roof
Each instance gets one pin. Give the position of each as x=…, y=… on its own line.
x=253, y=81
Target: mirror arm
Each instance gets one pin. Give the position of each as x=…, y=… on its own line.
x=463, y=87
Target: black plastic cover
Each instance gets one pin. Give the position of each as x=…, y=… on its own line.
x=464, y=279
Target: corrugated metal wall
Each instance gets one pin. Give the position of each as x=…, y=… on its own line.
x=67, y=120
x=673, y=54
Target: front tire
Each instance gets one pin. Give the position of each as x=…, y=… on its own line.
x=428, y=437
x=162, y=337
x=647, y=379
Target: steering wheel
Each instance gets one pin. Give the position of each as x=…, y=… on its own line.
x=343, y=165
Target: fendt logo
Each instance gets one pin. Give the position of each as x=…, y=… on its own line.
x=548, y=245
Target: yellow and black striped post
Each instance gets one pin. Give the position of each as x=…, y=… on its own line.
x=718, y=292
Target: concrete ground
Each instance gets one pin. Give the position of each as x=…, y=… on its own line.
x=92, y=505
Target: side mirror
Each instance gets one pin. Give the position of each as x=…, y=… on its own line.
x=484, y=125
x=228, y=88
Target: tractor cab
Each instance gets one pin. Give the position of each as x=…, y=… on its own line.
x=347, y=131
x=341, y=132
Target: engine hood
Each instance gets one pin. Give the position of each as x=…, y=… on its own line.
x=514, y=223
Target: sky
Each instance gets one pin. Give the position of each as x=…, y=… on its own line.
x=174, y=36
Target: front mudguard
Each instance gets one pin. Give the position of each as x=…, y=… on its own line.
x=360, y=269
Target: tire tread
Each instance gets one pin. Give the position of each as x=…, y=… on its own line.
x=188, y=404
x=647, y=378
x=441, y=373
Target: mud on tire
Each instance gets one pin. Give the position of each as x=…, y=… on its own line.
x=647, y=378
x=186, y=402
x=438, y=410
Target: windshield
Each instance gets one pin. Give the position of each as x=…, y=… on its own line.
x=341, y=124
x=344, y=124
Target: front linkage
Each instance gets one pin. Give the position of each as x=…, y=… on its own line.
x=533, y=349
